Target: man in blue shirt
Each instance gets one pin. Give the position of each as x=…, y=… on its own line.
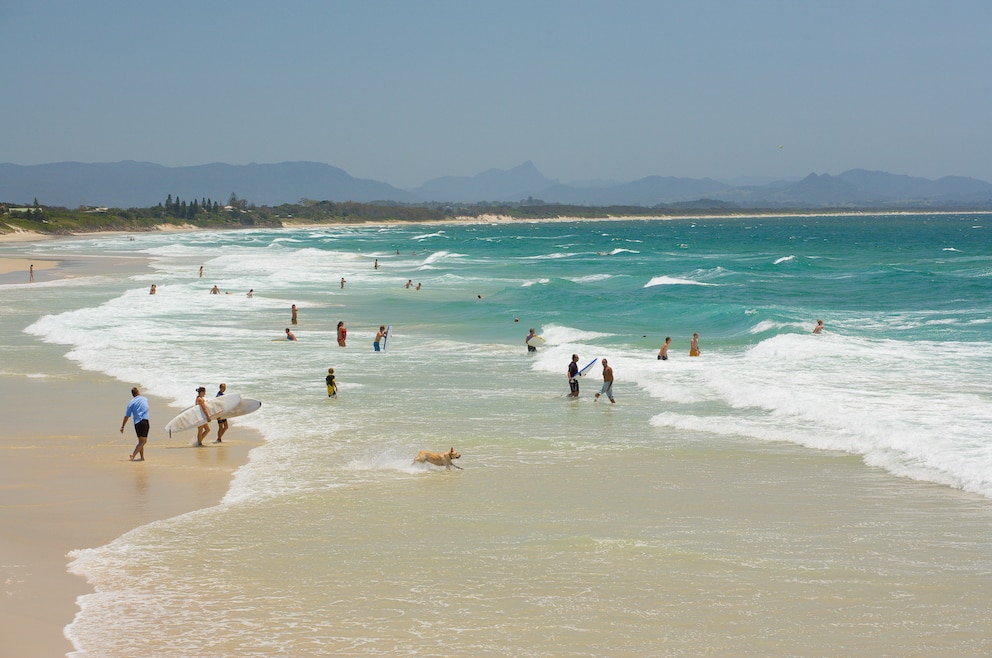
x=138, y=410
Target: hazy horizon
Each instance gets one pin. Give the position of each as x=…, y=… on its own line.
x=404, y=93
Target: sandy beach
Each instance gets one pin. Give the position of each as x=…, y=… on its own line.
x=719, y=541
x=66, y=483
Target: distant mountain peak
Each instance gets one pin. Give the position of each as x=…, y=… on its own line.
x=508, y=185
x=143, y=184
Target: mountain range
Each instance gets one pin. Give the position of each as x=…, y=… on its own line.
x=141, y=184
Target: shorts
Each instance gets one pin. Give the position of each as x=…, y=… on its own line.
x=141, y=429
x=573, y=385
x=531, y=348
x=221, y=422
x=375, y=345
x=332, y=390
x=663, y=358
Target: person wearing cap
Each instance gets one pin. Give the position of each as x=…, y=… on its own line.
x=204, y=429
x=221, y=422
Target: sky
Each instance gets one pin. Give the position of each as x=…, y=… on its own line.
x=405, y=91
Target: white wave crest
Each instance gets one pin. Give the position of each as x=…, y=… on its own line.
x=674, y=281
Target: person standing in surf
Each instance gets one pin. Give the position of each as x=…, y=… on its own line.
x=607, y=383
x=819, y=327
x=663, y=352
x=204, y=429
x=532, y=334
x=573, y=374
x=332, y=387
x=137, y=409
x=382, y=333
x=694, y=345
x=221, y=422
x=342, y=334
x=293, y=311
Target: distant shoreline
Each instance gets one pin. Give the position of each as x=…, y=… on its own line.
x=22, y=235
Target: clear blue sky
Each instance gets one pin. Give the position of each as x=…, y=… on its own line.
x=405, y=91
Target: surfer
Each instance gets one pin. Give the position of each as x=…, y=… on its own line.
x=342, y=334
x=293, y=319
x=819, y=327
x=201, y=271
x=573, y=373
x=376, y=263
x=137, y=409
x=663, y=352
x=332, y=387
x=607, y=383
x=204, y=429
x=532, y=334
x=342, y=282
x=382, y=333
x=153, y=289
x=221, y=422
x=409, y=282
x=215, y=290
x=251, y=293
x=290, y=335
x=694, y=345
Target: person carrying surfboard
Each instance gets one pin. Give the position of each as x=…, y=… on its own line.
x=382, y=333
x=221, y=422
x=573, y=374
x=204, y=429
x=532, y=334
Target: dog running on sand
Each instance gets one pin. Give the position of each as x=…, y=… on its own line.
x=438, y=458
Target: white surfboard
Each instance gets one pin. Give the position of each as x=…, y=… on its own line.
x=386, y=337
x=191, y=417
x=583, y=371
x=245, y=407
x=536, y=341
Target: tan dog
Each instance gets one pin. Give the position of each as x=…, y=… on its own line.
x=438, y=458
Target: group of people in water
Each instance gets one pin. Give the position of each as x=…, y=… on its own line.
x=138, y=406
x=572, y=372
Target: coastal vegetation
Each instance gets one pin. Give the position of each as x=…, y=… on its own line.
x=175, y=212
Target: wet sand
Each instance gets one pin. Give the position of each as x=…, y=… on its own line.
x=66, y=481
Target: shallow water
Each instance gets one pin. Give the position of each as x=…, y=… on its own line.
x=782, y=494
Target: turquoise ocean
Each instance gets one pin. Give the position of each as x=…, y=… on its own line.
x=782, y=494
